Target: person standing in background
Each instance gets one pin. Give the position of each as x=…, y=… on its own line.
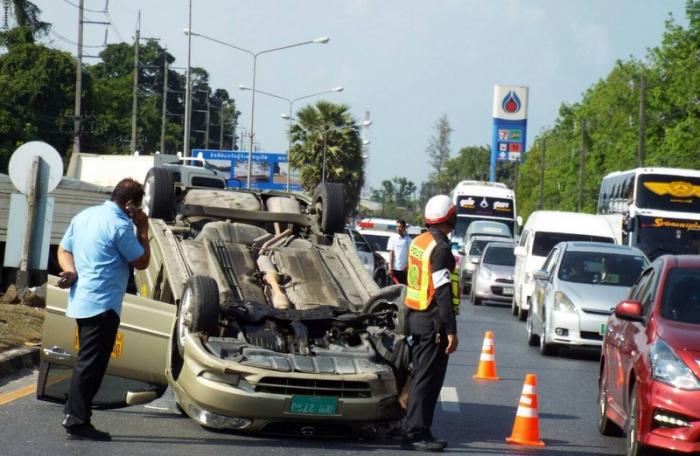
x=398, y=253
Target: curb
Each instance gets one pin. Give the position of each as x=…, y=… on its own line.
x=17, y=359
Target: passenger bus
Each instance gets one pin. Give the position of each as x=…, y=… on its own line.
x=477, y=200
x=659, y=208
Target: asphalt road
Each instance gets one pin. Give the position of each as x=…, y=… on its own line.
x=475, y=417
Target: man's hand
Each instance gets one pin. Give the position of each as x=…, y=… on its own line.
x=67, y=279
x=140, y=220
x=452, y=342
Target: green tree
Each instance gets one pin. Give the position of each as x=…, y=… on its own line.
x=439, y=151
x=328, y=129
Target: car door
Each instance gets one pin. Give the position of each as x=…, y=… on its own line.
x=519, y=274
x=617, y=348
x=543, y=290
x=136, y=370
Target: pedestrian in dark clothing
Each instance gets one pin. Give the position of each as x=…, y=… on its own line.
x=95, y=254
x=431, y=321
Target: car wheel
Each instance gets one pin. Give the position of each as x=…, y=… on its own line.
x=159, y=194
x=546, y=349
x=514, y=307
x=474, y=298
x=605, y=425
x=522, y=313
x=633, y=447
x=199, y=309
x=329, y=203
x=532, y=338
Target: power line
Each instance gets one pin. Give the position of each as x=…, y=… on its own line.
x=84, y=9
x=71, y=42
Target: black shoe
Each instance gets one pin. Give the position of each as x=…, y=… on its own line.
x=87, y=432
x=440, y=441
x=423, y=445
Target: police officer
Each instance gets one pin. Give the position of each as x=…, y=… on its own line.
x=432, y=301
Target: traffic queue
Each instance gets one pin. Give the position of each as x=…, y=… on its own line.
x=612, y=281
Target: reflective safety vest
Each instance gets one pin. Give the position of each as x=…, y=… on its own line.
x=420, y=290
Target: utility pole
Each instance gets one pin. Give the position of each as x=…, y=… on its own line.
x=164, y=118
x=642, y=120
x=540, y=201
x=188, y=87
x=78, y=83
x=221, y=126
x=581, y=166
x=135, y=95
x=207, y=118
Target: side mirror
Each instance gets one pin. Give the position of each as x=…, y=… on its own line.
x=629, y=310
x=519, y=251
x=540, y=274
x=475, y=260
x=519, y=220
x=461, y=251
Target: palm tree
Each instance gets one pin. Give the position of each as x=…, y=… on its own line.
x=27, y=14
x=328, y=130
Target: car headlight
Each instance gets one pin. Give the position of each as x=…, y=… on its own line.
x=470, y=266
x=563, y=303
x=667, y=367
x=485, y=272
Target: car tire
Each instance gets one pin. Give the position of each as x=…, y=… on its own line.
x=474, y=298
x=522, y=313
x=199, y=309
x=532, y=338
x=605, y=425
x=546, y=349
x=329, y=204
x=159, y=194
x=632, y=446
x=514, y=307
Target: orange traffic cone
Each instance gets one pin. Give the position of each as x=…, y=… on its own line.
x=526, y=429
x=487, y=360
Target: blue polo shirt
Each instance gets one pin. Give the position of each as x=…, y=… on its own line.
x=103, y=243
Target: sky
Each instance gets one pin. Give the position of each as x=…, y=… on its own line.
x=407, y=62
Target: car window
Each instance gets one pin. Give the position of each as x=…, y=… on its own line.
x=524, y=238
x=646, y=294
x=681, y=296
x=477, y=247
x=601, y=268
x=551, y=261
x=545, y=241
x=376, y=240
x=360, y=243
x=499, y=256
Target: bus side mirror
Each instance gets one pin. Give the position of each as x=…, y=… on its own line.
x=519, y=220
x=519, y=251
x=629, y=225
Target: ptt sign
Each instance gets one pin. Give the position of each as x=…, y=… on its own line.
x=509, y=123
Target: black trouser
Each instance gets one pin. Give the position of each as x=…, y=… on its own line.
x=97, y=335
x=400, y=276
x=429, y=367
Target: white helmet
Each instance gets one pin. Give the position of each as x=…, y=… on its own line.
x=440, y=209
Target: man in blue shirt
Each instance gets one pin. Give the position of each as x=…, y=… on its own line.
x=95, y=254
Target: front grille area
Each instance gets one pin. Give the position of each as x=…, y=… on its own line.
x=504, y=280
x=591, y=335
x=597, y=311
x=310, y=387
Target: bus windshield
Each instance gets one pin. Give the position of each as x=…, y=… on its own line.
x=657, y=236
x=668, y=193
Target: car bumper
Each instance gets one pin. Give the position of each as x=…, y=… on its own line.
x=493, y=291
x=576, y=329
x=244, y=407
x=661, y=399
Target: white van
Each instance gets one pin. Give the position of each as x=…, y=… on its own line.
x=544, y=230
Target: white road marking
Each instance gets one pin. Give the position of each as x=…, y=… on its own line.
x=449, y=401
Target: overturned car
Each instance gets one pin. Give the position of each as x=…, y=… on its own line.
x=255, y=309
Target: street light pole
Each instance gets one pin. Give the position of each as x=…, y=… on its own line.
x=255, y=55
x=188, y=89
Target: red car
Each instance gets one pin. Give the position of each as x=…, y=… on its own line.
x=649, y=381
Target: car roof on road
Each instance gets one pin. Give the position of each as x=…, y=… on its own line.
x=584, y=246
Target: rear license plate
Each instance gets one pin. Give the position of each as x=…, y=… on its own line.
x=314, y=405
x=507, y=290
x=602, y=329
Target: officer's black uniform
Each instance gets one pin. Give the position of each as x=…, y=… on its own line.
x=429, y=331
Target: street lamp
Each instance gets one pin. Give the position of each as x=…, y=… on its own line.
x=321, y=40
x=289, y=117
